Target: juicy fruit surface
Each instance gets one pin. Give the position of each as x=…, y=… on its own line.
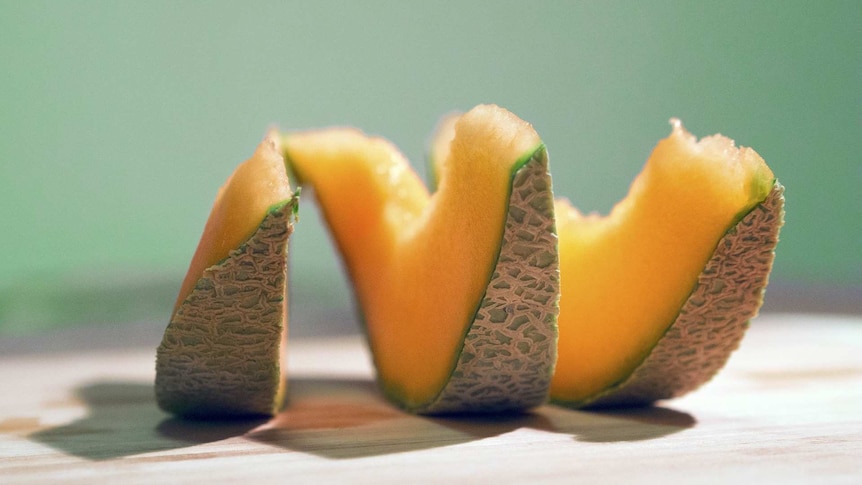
x=420, y=263
x=256, y=185
x=626, y=276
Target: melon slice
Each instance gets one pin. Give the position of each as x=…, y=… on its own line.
x=658, y=294
x=222, y=352
x=458, y=291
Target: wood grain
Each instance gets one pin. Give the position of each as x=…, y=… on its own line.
x=786, y=409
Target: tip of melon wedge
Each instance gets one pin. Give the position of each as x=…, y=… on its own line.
x=491, y=122
x=742, y=164
x=249, y=192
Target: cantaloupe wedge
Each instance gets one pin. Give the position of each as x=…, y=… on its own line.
x=458, y=290
x=658, y=294
x=222, y=352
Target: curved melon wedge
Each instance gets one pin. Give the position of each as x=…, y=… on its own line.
x=458, y=290
x=221, y=354
x=658, y=294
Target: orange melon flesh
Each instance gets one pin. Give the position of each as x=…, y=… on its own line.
x=241, y=203
x=626, y=276
x=419, y=263
x=438, y=151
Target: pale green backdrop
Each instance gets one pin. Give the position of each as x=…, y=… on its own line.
x=119, y=120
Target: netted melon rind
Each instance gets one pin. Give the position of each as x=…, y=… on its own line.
x=712, y=322
x=509, y=352
x=221, y=352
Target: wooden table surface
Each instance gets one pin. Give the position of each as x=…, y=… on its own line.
x=788, y=408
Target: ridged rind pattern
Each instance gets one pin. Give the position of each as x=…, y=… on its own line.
x=509, y=351
x=712, y=322
x=221, y=352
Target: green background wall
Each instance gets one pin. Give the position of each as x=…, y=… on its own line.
x=119, y=120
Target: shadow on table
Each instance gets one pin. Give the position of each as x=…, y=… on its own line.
x=344, y=418
x=332, y=418
x=123, y=420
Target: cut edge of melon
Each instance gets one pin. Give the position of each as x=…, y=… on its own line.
x=717, y=311
x=438, y=147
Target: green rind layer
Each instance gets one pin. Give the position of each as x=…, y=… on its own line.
x=712, y=322
x=509, y=350
x=221, y=352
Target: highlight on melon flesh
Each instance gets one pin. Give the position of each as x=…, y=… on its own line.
x=458, y=290
x=222, y=352
x=658, y=294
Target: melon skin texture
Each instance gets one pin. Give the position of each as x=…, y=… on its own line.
x=726, y=295
x=405, y=250
x=506, y=361
x=222, y=352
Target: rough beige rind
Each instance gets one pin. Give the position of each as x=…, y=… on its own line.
x=713, y=320
x=509, y=351
x=221, y=352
